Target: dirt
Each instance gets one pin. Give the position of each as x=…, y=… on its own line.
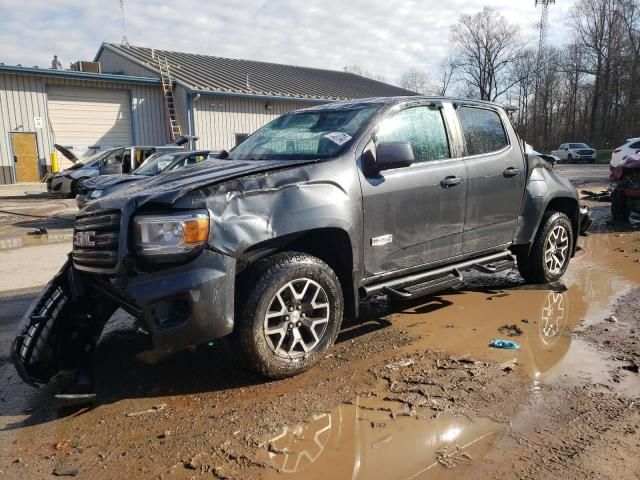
x=409, y=391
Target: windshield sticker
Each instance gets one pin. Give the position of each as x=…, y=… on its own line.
x=338, y=137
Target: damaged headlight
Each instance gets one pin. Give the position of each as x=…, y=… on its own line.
x=171, y=234
x=96, y=194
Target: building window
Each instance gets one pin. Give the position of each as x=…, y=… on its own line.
x=240, y=137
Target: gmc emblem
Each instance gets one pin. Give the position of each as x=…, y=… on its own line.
x=84, y=239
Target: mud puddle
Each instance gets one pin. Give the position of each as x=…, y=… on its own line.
x=412, y=426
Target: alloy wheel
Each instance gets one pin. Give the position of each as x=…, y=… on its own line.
x=556, y=249
x=297, y=318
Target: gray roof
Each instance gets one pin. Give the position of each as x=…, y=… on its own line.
x=226, y=75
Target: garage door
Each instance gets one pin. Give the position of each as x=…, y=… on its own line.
x=87, y=117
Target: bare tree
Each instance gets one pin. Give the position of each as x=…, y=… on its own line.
x=417, y=81
x=485, y=48
x=447, y=71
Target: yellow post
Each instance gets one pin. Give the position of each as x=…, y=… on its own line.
x=54, y=162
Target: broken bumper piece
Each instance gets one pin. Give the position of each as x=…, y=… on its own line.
x=186, y=305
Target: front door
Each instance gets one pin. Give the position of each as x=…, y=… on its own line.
x=496, y=178
x=414, y=215
x=25, y=157
x=112, y=163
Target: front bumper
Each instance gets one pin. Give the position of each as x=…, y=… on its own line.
x=187, y=305
x=59, y=184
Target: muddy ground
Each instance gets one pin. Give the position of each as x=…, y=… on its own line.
x=409, y=391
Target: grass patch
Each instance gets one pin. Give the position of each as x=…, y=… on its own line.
x=603, y=156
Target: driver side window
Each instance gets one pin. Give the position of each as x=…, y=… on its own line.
x=422, y=127
x=114, y=158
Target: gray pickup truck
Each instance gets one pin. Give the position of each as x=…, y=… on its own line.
x=274, y=242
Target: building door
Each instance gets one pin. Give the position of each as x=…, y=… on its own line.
x=25, y=157
x=82, y=118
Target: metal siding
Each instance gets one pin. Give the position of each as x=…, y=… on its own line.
x=217, y=119
x=23, y=97
x=111, y=62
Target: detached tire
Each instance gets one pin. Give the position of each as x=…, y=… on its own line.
x=290, y=316
x=550, y=253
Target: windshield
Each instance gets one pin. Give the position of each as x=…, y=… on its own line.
x=578, y=145
x=305, y=134
x=156, y=163
x=96, y=157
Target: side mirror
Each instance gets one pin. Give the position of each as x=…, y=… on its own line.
x=566, y=149
x=391, y=155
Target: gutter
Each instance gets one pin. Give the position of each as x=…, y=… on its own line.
x=98, y=77
x=258, y=96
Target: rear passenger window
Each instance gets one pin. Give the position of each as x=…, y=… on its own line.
x=483, y=130
x=422, y=127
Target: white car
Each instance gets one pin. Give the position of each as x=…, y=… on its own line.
x=575, y=152
x=630, y=147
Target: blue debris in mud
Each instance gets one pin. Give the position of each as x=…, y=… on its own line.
x=507, y=344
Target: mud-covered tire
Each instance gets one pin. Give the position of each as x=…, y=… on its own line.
x=534, y=265
x=269, y=289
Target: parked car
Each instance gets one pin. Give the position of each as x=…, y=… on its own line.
x=102, y=185
x=631, y=147
x=277, y=240
x=575, y=153
x=108, y=162
x=625, y=195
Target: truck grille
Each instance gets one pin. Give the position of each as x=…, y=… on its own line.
x=95, y=239
x=586, y=152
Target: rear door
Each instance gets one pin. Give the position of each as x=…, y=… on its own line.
x=495, y=176
x=411, y=216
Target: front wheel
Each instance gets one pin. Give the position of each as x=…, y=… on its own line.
x=570, y=159
x=548, y=258
x=291, y=314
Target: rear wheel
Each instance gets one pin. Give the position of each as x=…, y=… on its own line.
x=548, y=258
x=291, y=314
x=570, y=159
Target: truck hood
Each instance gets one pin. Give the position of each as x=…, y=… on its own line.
x=169, y=187
x=103, y=182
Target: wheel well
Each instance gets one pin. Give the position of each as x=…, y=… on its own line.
x=331, y=245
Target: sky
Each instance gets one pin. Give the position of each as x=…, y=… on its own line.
x=385, y=37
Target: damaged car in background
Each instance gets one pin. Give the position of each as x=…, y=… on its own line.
x=97, y=187
x=273, y=243
x=111, y=161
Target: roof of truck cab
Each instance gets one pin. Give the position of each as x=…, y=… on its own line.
x=345, y=104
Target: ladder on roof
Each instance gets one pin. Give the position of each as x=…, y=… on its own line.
x=169, y=103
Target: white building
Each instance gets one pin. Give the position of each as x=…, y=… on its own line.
x=220, y=100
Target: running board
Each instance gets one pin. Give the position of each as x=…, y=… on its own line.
x=451, y=280
x=420, y=278
x=497, y=266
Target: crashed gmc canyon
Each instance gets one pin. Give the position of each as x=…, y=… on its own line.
x=274, y=242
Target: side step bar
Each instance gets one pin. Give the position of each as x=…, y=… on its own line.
x=451, y=280
x=495, y=267
x=489, y=262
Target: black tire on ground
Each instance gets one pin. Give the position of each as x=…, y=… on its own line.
x=619, y=209
x=298, y=292
x=570, y=159
x=533, y=265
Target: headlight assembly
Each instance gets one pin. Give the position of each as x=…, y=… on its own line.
x=171, y=234
x=96, y=194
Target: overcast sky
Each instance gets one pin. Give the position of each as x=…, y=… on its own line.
x=384, y=37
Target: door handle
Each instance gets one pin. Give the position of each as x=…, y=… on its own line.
x=450, y=181
x=511, y=172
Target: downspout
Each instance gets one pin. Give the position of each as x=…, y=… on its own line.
x=190, y=124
